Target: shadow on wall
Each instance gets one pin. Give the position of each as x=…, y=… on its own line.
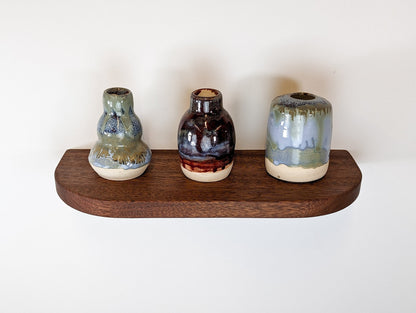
x=365, y=92
x=164, y=101
x=252, y=99
x=85, y=107
x=248, y=102
x=75, y=125
x=361, y=93
x=170, y=92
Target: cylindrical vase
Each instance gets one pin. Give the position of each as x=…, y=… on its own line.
x=298, y=137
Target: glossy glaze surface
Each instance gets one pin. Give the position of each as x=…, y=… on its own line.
x=206, y=137
x=299, y=131
x=119, y=131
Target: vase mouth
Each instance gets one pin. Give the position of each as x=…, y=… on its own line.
x=117, y=91
x=206, y=100
x=206, y=93
x=303, y=96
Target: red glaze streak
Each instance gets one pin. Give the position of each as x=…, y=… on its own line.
x=206, y=166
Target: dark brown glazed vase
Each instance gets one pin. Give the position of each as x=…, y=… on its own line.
x=206, y=138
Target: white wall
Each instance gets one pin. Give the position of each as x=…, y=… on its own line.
x=56, y=58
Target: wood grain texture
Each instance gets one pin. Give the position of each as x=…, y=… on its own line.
x=163, y=191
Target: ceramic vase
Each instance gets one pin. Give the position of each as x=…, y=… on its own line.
x=298, y=137
x=206, y=138
x=119, y=153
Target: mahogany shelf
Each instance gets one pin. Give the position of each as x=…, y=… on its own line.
x=163, y=191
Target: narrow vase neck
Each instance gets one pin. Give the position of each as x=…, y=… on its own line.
x=206, y=100
x=117, y=101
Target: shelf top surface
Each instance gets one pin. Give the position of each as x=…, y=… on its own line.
x=163, y=191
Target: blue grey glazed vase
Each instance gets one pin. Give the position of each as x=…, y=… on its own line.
x=298, y=137
x=206, y=138
x=119, y=153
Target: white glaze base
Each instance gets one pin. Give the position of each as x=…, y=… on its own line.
x=208, y=177
x=295, y=174
x=119, y=173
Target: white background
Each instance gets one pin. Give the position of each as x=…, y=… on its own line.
x=56, y=58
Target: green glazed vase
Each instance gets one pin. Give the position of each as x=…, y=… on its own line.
x=119, y=153
x=299, y=137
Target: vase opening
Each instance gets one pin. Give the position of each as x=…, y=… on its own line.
x=206, y=93
x=206, y=100
x=302, y=96
x=117, y=91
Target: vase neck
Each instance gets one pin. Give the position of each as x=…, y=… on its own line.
x=117, y=101
x=206, y=100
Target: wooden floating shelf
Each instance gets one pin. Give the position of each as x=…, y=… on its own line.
x=163, y=191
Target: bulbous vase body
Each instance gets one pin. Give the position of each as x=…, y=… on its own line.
x=206, y=138
x=119, y=153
